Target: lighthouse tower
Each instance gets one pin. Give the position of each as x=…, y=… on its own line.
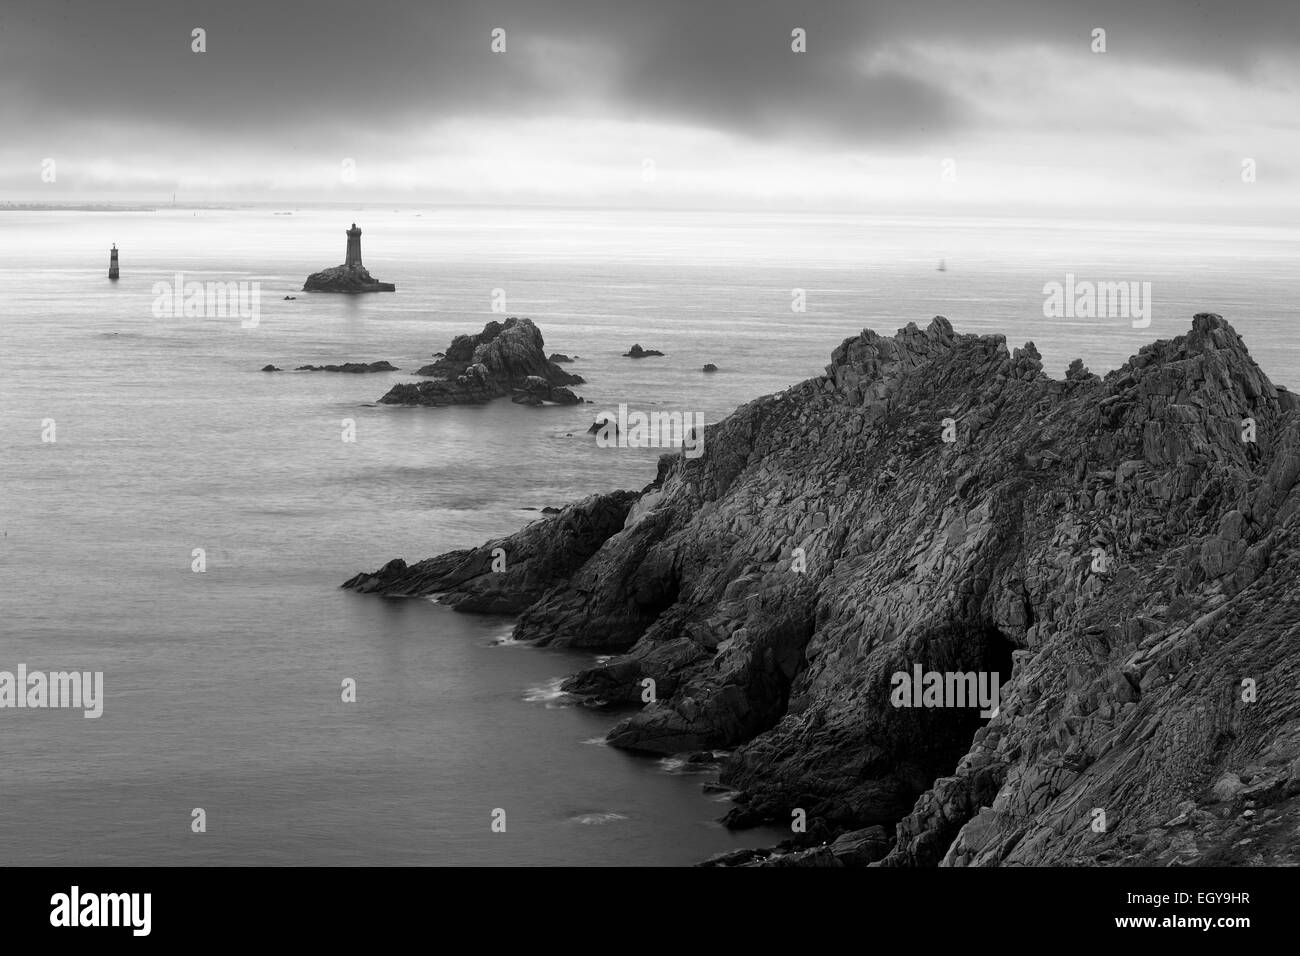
x=112, y=262
x=353, y=260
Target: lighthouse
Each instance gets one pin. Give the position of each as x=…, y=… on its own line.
x=353, y=260
x=112, y=262
x=350, y=277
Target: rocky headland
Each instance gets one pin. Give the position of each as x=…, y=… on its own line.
x=1123, y=551
x=346, y=279
x=505, y=359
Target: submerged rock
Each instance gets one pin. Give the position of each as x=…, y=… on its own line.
x=504, y=359
x=560, y=358
x=271, y=368
x=710, y=367
x=381, y=366
x=637, y=352
x=1120, y=551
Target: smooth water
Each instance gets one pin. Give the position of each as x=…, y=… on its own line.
x=223, y=687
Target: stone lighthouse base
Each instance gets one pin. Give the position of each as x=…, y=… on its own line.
x=346, y=279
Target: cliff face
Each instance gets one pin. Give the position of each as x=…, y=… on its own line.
x=506, y=358
x=1122, y=552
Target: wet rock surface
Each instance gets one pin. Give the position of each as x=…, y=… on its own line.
x=1122, y=550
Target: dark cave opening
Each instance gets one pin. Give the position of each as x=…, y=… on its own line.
x=947, y=690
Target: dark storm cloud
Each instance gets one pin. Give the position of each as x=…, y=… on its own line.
x=723, y=64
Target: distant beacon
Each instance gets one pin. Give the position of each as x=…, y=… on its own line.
x=353, y=260
x=112, y=262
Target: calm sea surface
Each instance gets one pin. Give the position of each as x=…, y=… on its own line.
x=223, y=688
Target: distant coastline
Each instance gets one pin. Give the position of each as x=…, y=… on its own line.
x=74, y=207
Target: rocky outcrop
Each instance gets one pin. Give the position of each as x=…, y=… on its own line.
x=505, y=359
x=710, y=367
x=1121, y=550
x=561, y=359
x=346, y=279
x=270, y=368
x=507, y=575
x=637, y=352
x=605, y=422
x=354, y=367
x=535, y=390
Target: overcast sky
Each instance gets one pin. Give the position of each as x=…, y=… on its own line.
x=898, y=103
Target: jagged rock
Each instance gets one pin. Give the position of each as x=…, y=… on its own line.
x=535, y=559
x=637, y=352
x=354, y=367
x=1113, y=548
x=710, y=367
x=1078, y=372
x=346, y=279
x=506, y=358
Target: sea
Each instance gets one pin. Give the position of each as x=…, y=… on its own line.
x=179, y=520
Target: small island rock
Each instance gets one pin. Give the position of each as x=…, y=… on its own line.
x=637, y=352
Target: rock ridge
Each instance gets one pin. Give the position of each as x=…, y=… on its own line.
x=1122, y=550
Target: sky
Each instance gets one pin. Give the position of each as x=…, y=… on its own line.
x=893, y=104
